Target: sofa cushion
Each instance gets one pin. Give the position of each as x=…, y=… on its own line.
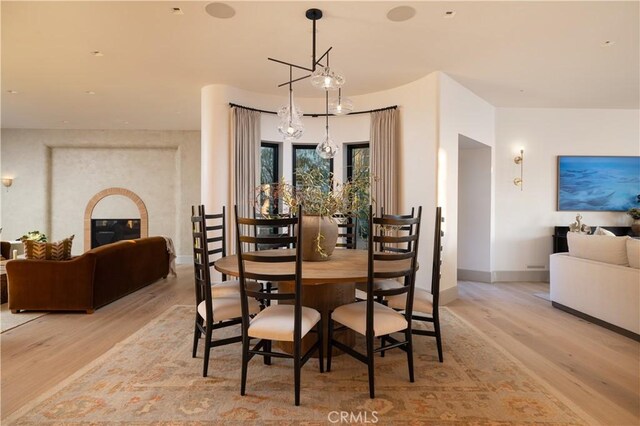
x=601, y=248
x=633, y=252
x=603, y=231
x=60, y=250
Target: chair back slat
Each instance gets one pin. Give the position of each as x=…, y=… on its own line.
x=347, y=231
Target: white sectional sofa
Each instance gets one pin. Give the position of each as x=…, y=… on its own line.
x=599, y=280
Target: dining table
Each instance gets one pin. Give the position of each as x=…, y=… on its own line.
x=327, y=284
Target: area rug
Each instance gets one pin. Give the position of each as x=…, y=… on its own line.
x=9, y=321
x=150, y=378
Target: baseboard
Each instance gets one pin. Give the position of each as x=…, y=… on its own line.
x=470, y=275
x=530, y=276
x=448, y=295
x=597, y=321
x=184, y=259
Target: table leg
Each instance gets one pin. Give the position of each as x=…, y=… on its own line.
x=323, y=298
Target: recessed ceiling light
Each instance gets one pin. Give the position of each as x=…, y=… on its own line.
x=126, y=122
x=176, y=11
x=65, y=121
x=607, y=43
x=401, y=13
x=13, y=92
x=220, y=10
x=89, y=92
x=97, y=53
x=449, y=14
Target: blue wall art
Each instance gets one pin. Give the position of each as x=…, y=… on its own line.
x=598, y=183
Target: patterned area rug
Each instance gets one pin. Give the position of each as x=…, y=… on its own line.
x=150, y=378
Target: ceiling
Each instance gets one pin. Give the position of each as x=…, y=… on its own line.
x=513, y=54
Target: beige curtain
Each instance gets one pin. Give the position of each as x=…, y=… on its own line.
x=384, y=154
x=245, y=137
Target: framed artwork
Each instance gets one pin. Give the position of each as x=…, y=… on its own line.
x=605, y=183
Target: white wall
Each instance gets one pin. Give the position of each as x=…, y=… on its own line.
x=461, y=112
x=526, y=218
x=57, y=171
x=474, y=210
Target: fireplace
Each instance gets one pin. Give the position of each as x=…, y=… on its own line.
x=106, y=231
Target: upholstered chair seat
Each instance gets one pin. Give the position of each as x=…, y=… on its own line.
x=226, y=308
x=231, y=287
x=385, y=320
x=422, y=301
x=276, y=323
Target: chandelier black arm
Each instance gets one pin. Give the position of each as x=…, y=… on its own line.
x=322, y=57
x=291, y=65
x=293, y=81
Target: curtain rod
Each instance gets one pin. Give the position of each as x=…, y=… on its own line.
x=313, y=115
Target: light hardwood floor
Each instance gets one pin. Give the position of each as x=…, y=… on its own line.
x=595, y=368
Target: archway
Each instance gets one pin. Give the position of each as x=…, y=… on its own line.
x=88, y=212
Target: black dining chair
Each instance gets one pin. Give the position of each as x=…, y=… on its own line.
x=217, y=303
x=373, y=319
x=426, y=303
x=347, y=231
x=288, y=321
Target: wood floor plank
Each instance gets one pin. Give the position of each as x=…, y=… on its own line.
x=595, y=368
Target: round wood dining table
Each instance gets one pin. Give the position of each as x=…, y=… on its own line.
x=327, y=284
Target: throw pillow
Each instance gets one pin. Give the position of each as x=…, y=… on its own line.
x=60, y=250
x=601, y=248
x=633, y=252
x=603, y=231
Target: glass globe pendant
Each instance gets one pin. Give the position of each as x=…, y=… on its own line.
x=340, y=106
x=327, y=79
x=290, y=115
x=327, y=148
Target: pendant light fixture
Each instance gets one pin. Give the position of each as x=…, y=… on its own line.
x=341, y=105
x=290, y=115
x=327, y=148
x=322, y=77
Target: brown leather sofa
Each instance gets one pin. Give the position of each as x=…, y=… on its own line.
x=89, y=281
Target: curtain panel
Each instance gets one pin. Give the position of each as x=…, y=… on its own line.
x=384, y=156
x=245, y=136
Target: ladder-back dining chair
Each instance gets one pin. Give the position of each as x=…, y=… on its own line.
x=425, y=303
x=217, y=303
x=287, y=321
x=373, y=319
x=347, y=231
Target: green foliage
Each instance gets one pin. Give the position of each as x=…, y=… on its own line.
x=634, y=213
x=34, y=236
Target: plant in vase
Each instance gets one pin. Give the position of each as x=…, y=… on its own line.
x=36, y=236
x=321, y=203
x=635, y=215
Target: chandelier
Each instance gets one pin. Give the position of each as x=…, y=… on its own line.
x=322, y=77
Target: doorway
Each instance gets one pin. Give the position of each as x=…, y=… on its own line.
x=474, y=210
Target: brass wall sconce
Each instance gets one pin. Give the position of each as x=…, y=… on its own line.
x=7, y=182
x=519, y=160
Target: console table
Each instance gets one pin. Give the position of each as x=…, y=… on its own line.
x=560, y=235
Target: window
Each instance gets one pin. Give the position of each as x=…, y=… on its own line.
x=269, y=174
x=269, y=165
x=358, y=167
x=306, y=158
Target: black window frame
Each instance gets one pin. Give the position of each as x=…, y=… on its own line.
x=350, y=148
x=295, y=147
x=276, y=159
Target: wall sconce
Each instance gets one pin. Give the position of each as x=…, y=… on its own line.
x=7, y=182
x=519, y=160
